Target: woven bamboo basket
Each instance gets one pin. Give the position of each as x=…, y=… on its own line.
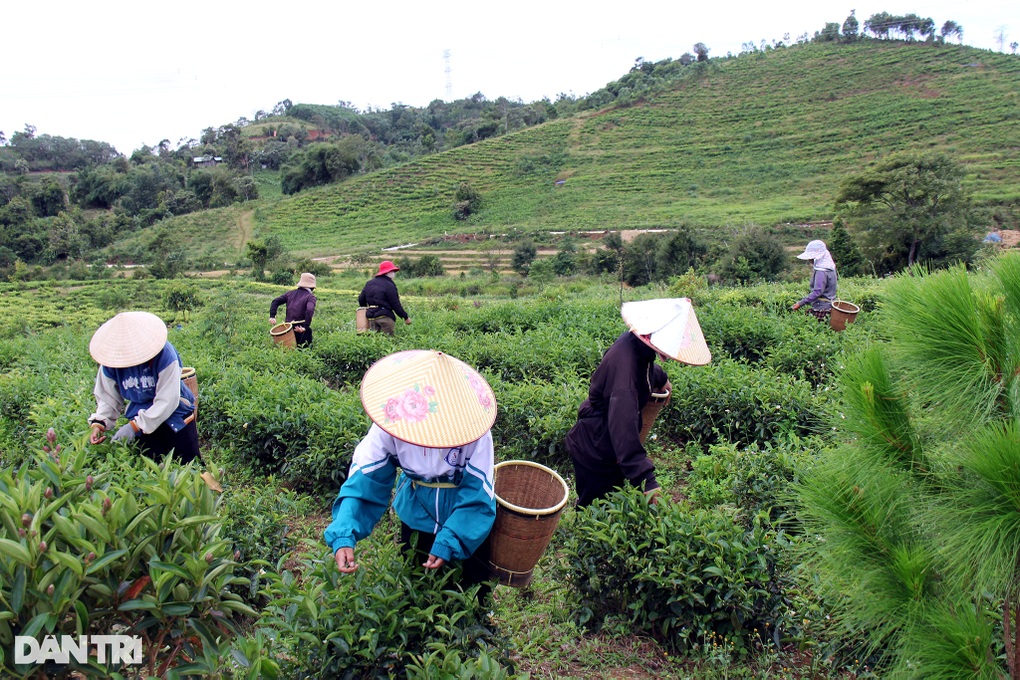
x=529, y=500
x=361, y=319
x=190, y=378
x=650, y=412
x=843, y=313
x=283, y=334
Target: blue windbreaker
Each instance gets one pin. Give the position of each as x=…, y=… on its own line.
x=460, y=516
x=154, y=393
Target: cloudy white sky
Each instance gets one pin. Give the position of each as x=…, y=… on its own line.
x=132, y=73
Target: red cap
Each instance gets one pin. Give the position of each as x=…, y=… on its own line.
x=385, y=267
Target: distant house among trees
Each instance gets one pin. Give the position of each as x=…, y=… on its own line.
x=206, y=161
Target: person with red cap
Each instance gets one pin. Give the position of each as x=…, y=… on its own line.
x=382, y=301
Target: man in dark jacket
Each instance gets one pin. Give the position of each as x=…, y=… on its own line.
x=300, y=304
x=605, y=443
x=382, y=300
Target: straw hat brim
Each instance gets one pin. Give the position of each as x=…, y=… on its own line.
x=670, y=327
x=428, y=398
x=128, y=339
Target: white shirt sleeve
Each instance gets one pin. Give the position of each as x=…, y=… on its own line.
x=109, y=403
x=168, y=398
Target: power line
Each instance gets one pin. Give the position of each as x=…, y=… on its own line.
x=449, y=82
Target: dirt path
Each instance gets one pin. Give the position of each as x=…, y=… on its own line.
x=245, y=228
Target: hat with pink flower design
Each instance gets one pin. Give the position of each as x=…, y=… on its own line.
x=428, y=398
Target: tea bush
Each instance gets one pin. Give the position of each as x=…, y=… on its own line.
x=728, y=401
x=757, y=479
x=743, y=333
x=346, y=356
x=94, y=545
x=383, y=620
x=283, y=424
x=811, y=351
x=257, y=522
x=534, y=418
x=548, y=354
x=675, y=573
x=17, y=394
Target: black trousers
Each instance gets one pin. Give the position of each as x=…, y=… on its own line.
x=303, y=339
x=595, y=479
x=182, y=444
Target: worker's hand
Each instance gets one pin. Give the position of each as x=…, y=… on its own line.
x=299, y=329
x=796, y=306
x=653, y=495
x=345, y=560
x=407, y=321
x=97, y=436
x=126, y=433
x=272, y=321
x=434, y=562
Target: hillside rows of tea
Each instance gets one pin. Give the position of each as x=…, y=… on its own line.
x=762, y=138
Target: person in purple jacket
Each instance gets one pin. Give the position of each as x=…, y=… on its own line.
x=823, y=281
x=139, y=377
x=300, y=304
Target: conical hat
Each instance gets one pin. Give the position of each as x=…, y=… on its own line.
x=670, y=327
x=128, y=339
x=428, y=398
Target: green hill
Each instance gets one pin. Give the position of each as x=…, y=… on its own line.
x=762, y=138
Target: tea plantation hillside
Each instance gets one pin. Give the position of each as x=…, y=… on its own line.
x=760, y=138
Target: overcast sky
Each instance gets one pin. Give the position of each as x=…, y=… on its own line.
x=132, y=72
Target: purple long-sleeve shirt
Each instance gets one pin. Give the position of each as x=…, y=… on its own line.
x=823, y=290
x=300, y=304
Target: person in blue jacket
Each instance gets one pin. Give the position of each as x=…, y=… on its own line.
x=430, y=435
x=139, y=376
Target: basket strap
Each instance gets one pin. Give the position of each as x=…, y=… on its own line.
x=511, y=571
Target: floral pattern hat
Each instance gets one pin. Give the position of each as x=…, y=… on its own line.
x=428, y=398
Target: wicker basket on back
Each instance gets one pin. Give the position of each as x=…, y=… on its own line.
x=529, y=500
x=190, y=378
x=650, y=412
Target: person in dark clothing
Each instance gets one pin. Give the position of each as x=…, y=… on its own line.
x=382, y=300
x=605, y=443
x=300, y=304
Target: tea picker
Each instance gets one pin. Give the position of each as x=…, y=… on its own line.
x=606, y=443
x=379, y=301
x=140, y=376
x=300, y=304
x=430, y=435
x=823, y=281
